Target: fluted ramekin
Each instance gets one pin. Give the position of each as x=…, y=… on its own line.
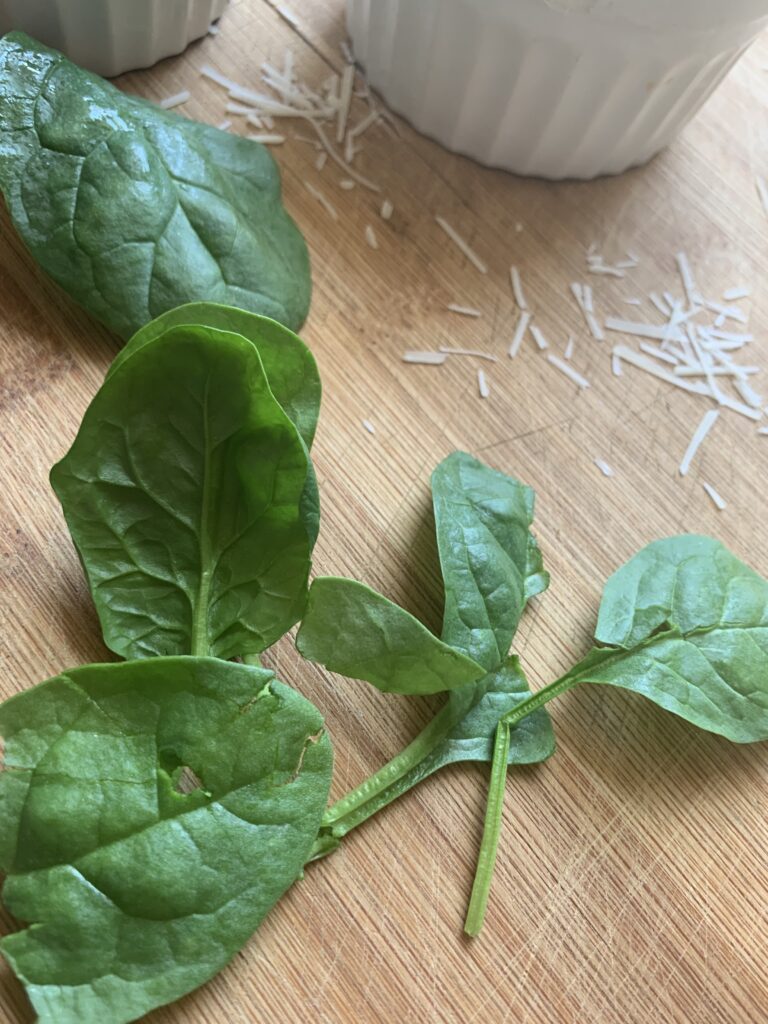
x=112, y=36
x=553, y=88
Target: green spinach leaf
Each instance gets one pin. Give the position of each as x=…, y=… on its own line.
x=289, y=365
x=490, y=560
x=687, y=625
x=134, y=210
x=137, y=892
x=182, y=492
x=351, y=629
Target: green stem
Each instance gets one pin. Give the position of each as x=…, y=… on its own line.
x=360, y=803
x=539, y=699
x=491, y=832
x=492, y=826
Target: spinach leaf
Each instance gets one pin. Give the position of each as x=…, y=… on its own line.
x=684, y=623
x=134, y=210
x=490, y=560
x=137, y=892
x=687, y=583
x=289, y=365
x=687, y=625
x=182, y=494
x=351, y=629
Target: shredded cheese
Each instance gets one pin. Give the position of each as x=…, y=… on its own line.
x=482, y=384
x=603, y=466
x=427, y=358
x=387, y=209
x=517, y=338
x=267, y=140
x=468, y=352
x=462, y=245
x=568, y=370
x=176, y=100
x=347, y=80
x=329, y=208
x=370, y=237
x=716, y=498
x=367, y=425
x=517, y=288
x=538, y=337
x=707, y=422
x=463, y=310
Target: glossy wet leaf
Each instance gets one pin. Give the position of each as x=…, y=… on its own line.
x=353, y=630
x=490, y=561
x=137, y=892
x=183, y=493
x=134, y=210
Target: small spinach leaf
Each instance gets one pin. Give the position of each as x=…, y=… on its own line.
x=134, y=210
x=351, y=629
x=688, y=583
x=685, y=624
x=490, y=560
x=136, y=892
x=182, y=492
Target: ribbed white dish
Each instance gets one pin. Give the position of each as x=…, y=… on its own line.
x=553, y=88
x=112, y=36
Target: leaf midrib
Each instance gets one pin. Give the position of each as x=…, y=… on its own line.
x=199, y=640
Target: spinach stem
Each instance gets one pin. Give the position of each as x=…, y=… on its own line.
x=492, y=826
x=360, y=803
x=539, y=699
x=491, y=831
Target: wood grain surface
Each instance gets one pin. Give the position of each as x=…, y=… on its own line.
x=632, y=880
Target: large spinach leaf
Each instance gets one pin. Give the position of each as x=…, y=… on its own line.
x=490, y=560
x=137, y=892
x=134, y=210
x=182, y=493
x=351, y=629
x=686, y=624
x=289, y=365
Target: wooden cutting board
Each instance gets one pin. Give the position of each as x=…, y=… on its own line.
x=631, y=885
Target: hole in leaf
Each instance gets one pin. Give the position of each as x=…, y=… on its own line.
x=186, y=781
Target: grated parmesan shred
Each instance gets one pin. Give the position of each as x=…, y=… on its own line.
x=463, y=310
x=468, y=352
x=538, y=337
x=482, y=384
x=367, y=425
x=176, y=100
x=370, y=237
x=717, y=500
x=425, y=358
x=329, y=208
x=603, y=466
x=517, y=338
x=568, y=370
x=387, y=209
x=462, y=245
x=517, y=288
x=708, y=421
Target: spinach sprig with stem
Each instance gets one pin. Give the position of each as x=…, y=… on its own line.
x=491, y=566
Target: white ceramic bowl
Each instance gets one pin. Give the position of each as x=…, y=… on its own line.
x=553, y=88
x=112, y=36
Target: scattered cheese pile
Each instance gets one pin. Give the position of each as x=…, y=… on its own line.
x=694, y=348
